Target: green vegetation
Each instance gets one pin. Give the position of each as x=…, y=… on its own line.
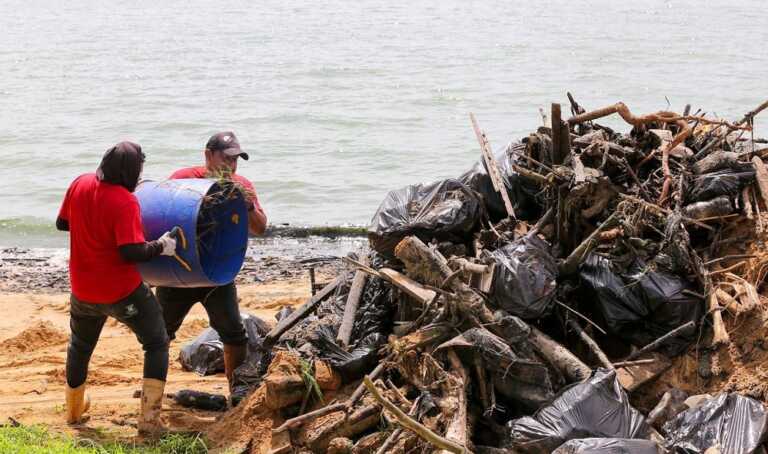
x=38, y=440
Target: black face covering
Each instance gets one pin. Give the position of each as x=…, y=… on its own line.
x=122, y=165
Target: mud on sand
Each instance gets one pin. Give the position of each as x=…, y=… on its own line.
x=33, y=341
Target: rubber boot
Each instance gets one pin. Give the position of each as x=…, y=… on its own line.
x=150, y=424
x=234, y=356
x=77, y=403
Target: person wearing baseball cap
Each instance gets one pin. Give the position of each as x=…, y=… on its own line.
x=222, y=152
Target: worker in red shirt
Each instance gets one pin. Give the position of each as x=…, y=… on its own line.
x=106, y=241
x=221, y=154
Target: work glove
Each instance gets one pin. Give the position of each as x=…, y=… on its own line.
x=169, y=244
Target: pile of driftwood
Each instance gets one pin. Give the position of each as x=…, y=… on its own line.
x=513, y=308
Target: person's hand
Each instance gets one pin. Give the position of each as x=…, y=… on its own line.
x=169, y=244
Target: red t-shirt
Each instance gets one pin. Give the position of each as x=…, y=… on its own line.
x=101, y=218
x=200, y=172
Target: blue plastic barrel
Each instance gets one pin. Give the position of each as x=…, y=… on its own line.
x=216, y=233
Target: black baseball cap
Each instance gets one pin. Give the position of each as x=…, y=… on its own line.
x=227, y=143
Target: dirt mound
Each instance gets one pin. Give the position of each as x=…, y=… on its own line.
x=253, y=420
x=741, y=367
x=41, y=335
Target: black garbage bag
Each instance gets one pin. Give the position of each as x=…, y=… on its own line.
x=722, y=182
x=205, y=353
x=639, y=304
x=524, y=380
x=445, y=210
x=525, y=278
x=201, y=400
x=522, y=192
x=609, y=446
x=353, y=364
x=734, y=423
x=596, y=407
x=248, y=375
x=375, y=314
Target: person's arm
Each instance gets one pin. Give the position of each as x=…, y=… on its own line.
x=62, y=224
x=140, y=252
x=257, y=220
x=62, y=220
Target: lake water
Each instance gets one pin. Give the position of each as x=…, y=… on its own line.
x=338, y=101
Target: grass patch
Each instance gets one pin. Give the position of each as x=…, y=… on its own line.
x=38, y=440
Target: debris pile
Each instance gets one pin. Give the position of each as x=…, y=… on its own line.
x=525, y=305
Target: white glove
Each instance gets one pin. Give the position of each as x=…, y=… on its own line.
x=169, y=244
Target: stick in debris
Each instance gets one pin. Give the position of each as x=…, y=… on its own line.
x=655, y=344
x=350, y=309
x=720, y=334
x=638, y=362
x=361, y=388
x=589, y=342
x=301, y=419
x=392, y=438
x=571, y=263
x=307, y=308
x=493, y=168
x=456, y=429
x=412, y=425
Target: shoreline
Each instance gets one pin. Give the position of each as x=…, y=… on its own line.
x=274, y=258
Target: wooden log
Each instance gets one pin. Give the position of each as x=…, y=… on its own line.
x=558, y=356
x=590, y=343
x=299, y=314
x=718, y=160
x=350, y=309
x=658, y=342
x=319, y=435
x=410, y=287
x=761, y=175
x=727, y=301
x=414, y=426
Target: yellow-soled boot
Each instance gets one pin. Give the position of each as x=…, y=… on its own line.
x=150, y=424
x=77, y=403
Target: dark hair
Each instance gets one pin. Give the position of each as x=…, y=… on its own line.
x=121, y=165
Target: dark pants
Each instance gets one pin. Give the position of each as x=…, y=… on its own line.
x=139, y=311
x=219, y=302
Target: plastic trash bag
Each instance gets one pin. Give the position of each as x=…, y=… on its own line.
x=352, y=364
x=732, y=422
x=524, y=380
x=525, y=278
x=200, y=400
x=597, y=407
x=522, y=192
x=248, y=375
x=609, y=446
x=204, y=355
x=640, y=305
x=446, y=210
x=722, y=182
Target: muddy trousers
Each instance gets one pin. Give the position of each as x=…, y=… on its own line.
x=139, y=311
